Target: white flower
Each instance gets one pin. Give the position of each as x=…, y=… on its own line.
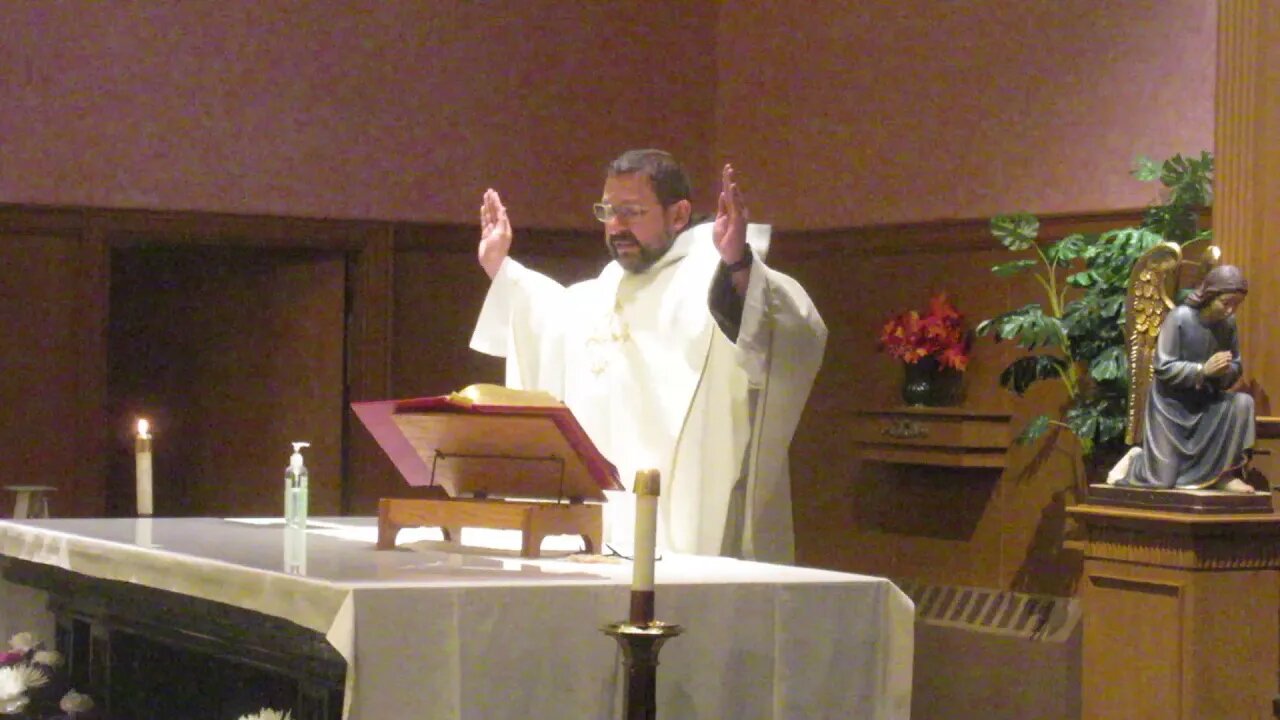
x=11, y=684
x=16, y=679
x=74, y=702
x=22, y=642
x=268, y=714
x=48, y=658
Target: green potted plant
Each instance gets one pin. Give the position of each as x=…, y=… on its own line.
x=1076, y=336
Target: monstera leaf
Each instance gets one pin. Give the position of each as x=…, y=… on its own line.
x=1081, y=321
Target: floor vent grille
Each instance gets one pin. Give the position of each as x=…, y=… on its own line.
x=1001, y=612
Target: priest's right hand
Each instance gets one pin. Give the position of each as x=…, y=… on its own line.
x=495, y=233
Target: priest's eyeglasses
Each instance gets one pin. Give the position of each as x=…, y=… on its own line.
x=626, y=213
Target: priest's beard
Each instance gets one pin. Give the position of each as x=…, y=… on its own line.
x=644, y=257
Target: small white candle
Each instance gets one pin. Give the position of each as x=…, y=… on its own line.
x=647, y=489
x=142, y=454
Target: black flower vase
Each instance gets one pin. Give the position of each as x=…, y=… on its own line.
x=924, y=384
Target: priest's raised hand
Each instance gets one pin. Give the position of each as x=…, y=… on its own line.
x=495, y=233
x=730, y=231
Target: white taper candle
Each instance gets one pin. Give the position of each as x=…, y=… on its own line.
x=142, y=454
x=647, y=489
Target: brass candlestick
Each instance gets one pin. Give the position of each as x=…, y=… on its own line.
x=640, y=645
x=641, y=637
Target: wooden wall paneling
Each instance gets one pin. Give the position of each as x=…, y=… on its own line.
x=150, y=227
x=305, y=339
x=308, y=258
x=205, y=253
x=439, y=288
x=935, y=524
x=432, y=289
x=1247, y=146
x=1130, y=603
x=146, y=370
x=52, y=318
x=233, y=353
x=926, y=521
x=370, y=334
x=92, y=316
x=1041, y=482
x=412, y=293
x=940, y=525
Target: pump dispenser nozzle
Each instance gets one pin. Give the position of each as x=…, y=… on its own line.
x=295, y=489
x=295, y=460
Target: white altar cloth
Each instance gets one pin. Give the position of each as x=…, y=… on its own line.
x=462, y=636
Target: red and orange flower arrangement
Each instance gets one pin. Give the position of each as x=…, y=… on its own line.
x=938, y=334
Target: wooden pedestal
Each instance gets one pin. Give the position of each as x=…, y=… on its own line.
x=535, y=520
x=1181, y=614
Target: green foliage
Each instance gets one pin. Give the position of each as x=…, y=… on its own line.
x=1017, y=232
x=1038, y=426
x=1029, y=369
x=1013, y=267
x=1085, y=279
x=1028, y=326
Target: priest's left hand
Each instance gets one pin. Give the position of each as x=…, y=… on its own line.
x=730, y=230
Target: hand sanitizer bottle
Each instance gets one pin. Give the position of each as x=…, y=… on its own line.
x=295, y=489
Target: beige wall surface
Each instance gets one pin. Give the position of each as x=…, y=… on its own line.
x=398, y=109
x=874, y=112
x=838, y=114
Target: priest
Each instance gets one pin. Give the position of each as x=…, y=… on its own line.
x=688, y=354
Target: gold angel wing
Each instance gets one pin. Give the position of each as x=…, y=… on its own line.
x=1153, y=284
x=1211, y=257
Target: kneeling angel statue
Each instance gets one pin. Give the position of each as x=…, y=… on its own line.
x=1196, y=432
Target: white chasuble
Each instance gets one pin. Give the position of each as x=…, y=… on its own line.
x=655, y=382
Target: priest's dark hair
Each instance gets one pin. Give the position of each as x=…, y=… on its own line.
x=670, y=183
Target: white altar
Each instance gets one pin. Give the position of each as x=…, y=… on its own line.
x=429, y=633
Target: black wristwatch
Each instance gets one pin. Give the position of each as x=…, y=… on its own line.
x=742, y=264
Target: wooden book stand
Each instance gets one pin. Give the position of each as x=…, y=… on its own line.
x=498, y=458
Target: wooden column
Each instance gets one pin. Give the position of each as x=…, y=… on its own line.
x=370, y=335
x=1247, y=147
x=93, y=260
x=1181, y=614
